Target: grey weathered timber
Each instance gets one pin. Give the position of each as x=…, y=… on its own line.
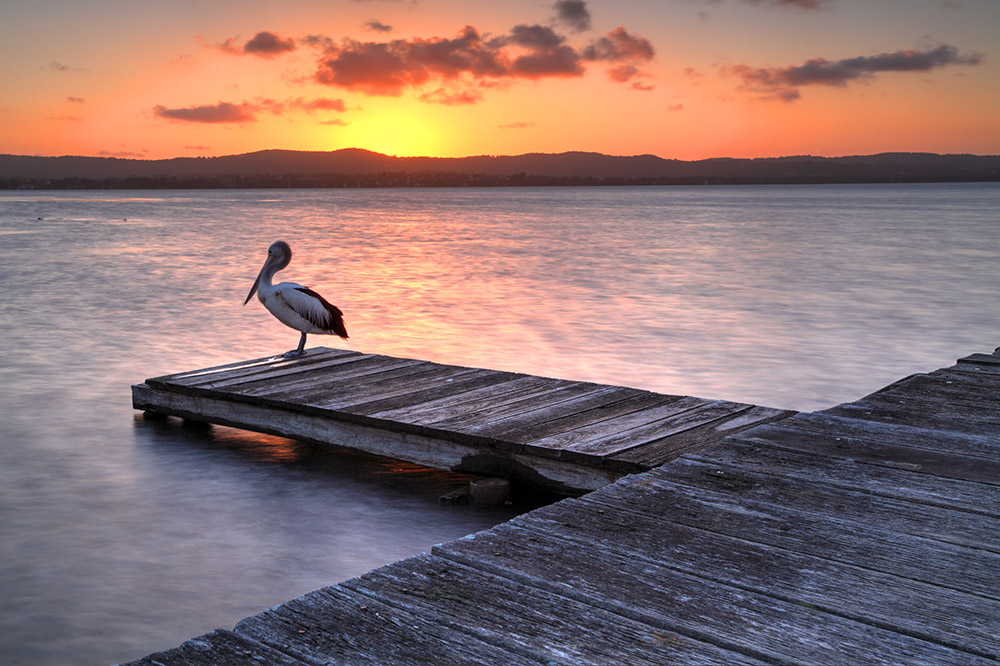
x=549, y=432
x=857, y=535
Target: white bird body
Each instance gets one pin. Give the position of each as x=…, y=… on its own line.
x=292, y=304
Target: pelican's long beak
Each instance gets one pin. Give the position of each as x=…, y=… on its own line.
x=253, y=289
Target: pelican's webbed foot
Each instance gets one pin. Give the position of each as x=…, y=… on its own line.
x=297, y=352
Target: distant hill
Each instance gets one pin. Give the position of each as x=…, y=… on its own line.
x=355, y=167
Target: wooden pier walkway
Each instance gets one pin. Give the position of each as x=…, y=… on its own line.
x=868, y=533
x=565, y=435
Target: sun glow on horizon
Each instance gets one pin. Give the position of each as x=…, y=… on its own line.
x=400, y=133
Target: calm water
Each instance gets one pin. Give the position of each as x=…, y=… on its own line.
x=119, y=537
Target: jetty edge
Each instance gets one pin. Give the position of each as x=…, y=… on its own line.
x=867, y=533
x=560, y=435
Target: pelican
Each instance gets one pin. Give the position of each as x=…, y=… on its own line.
x=292, y=304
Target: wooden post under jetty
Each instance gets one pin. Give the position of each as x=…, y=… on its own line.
x=864, y=534
x=562, y=435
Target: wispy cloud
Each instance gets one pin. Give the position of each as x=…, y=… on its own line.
x=122, y=153
x=458, y=98
x=75, y=100
x=782, y=83
x=377, y=26
x=796, y=4
x=517, y=125
x=246, y=112
x=786, y=4
x=223, y=112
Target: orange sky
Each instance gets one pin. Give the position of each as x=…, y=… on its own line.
x=686, y=79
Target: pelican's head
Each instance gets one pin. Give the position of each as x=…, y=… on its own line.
x=278, y=256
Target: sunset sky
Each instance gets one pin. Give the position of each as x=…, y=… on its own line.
x=686, y=79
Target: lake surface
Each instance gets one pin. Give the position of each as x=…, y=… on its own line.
x=120, y=536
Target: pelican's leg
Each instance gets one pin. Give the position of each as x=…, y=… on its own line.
x=299, y=351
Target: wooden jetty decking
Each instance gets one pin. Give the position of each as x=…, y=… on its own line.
x=868, y=533
x=565, y=435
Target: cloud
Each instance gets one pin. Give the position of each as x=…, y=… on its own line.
x=198, y=148
x=442, y=96
x=518, y=125
x=377, y=26
x=620, y=45
x=794, y=4
x=246, y=112
x=121, y=153
x=675, y=107
x=782, y=82
x=797, y=4
x=548, y=55
x=473, y=60
x=320, y=104
x=386, y=68
x=573, y=14
x=223, y=112
x=264, y=44
x=75, y=100
x=625, y=52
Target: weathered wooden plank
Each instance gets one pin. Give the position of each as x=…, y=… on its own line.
x=757, y=454
x=844, y=436
x=581, y=426
x=972, y=390
x=333, y=625
x=966, y=421
x=467, y=422
x=376, y=382
x=612, y=443
x=661, y=451
x=723, y=473
x=549, y=627
x=507, y=428
x=862, y=446
x=301, y=374
x=883, y=600
x=440, y=380
x=903, y=406
x=312, y=357
x=824, y=536
x=352, y=372
x=472, y=401
x=745, y=621
x=220, y=648
x=981, y=359
x=453, y=389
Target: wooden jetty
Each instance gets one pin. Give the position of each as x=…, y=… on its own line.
x=868, y=533
x=564, y=435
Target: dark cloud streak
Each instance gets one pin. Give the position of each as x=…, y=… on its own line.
x=229, y=113
x=783, y=82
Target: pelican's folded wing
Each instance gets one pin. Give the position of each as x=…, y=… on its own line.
x=315, y=309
